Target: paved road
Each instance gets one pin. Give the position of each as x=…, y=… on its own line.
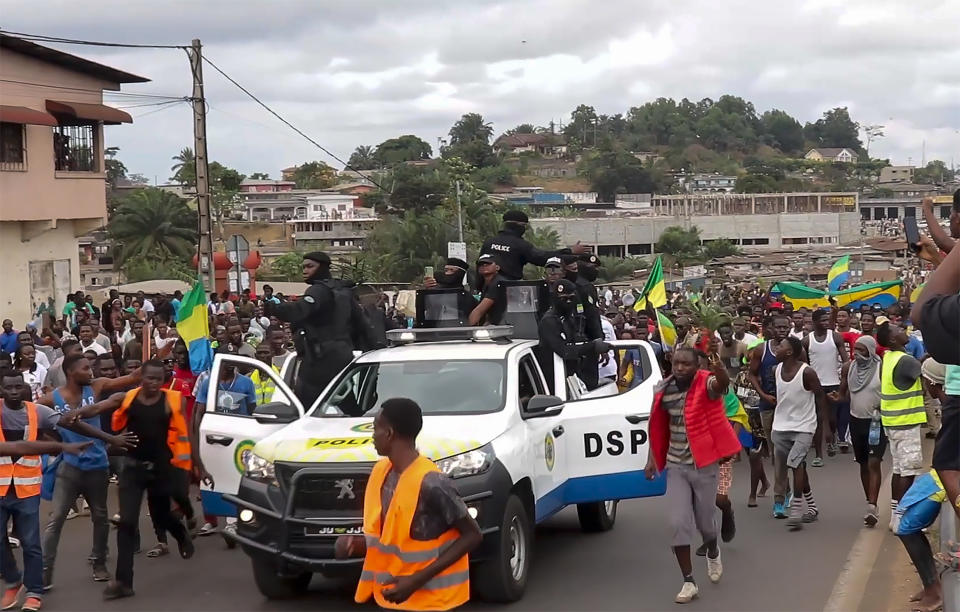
x=629, y=568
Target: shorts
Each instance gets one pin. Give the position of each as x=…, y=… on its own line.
x=793, y=445
x=766, y=420
x=946, y=450
x=906, y=449
x=860, y=438
x=725, y=478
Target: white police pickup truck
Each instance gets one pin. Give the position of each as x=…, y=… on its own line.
x=294, y=476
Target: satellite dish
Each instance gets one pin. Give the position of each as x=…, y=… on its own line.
x=628, y=300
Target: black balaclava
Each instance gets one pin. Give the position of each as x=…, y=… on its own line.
x=587, y=271
x=563, y=297
x=323, y=272
x=455, y=280
x=515, y=221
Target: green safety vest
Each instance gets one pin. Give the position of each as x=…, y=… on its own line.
x=264, y=385
x=899, y=408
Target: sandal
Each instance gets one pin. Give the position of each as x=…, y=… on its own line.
x=159, y=550
x=948, y=560
x=752, y=502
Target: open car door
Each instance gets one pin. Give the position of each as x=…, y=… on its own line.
x=607, y=436
x=229, y=430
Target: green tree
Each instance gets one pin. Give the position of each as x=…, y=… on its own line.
x=362, y=158
x=288, y=267
x=935, y=172
x=524, y=128
x=260, y=176
x=419, y=189
x=224, y=187
x=662, y=122
x=491, y=176
x=314, y=175
x=835, y=129
x=613, y=170
x=616, y=268
x=477, y=153
x=115, y=169
x=730, y=124
x=469, y=128
x=720, y=248
x=402, y=149
x=782, y=131
x=137, y=269
x=680, y=244
x=582, y=126
x=185, y=168
x=153, y=224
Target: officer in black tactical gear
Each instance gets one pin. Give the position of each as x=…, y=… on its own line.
x=513, y=252
x=562, y=332
x=328, y=323
x=454, y=308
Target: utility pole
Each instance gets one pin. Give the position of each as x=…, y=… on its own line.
x=203, y=182
x=459, y=215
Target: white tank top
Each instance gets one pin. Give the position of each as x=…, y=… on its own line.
x=825, y=359
x=796, y=407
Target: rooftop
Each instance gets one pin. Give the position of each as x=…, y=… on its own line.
x=831, y=151
x=66, y=60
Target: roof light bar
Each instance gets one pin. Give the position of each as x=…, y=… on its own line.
x=439, y=334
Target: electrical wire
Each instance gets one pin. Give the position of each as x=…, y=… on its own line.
x=288, y=124
x=162, y=103
x=94, y=43
x=161, y=108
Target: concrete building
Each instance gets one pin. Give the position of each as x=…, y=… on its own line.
x=895, y=174
x=249, y=185
x=832, y=154
x=96, y=261
x=762, y=221
x=708, y=183
x=52, y=180
x=903, y=206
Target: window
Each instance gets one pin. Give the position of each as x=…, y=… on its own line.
x=12, y=154
x=944, y=212
x=75, y=148
x=529, y=382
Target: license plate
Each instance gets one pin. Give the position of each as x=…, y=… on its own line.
x=332, y=531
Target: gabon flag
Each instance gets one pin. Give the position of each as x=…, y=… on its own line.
x=654, y=291
x=839, y=273
x=193, y=326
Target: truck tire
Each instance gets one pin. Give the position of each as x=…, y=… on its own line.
x=274, y=586
x=597, y=516
x=503, y=578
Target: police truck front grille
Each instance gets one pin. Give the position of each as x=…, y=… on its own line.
x=320, y=492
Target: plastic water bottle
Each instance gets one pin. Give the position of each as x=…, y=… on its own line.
x=874, y=437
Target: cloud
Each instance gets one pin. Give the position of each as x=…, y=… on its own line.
x=358, y=72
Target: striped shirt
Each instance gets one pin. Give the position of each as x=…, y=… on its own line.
x=673, y=402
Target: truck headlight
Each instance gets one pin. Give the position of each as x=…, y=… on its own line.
x=469, y=463
x=258, y=468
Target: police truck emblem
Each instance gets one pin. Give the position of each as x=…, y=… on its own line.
x=548, y=451
x=346, y=488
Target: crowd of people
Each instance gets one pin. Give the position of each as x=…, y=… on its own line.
x=746, y=374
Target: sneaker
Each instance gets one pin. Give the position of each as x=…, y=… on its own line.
x=714, y=568
x=810, y=516
x=32, y=604
x=702, y=551
x=11, y=597
x=83, y=509
x=844, y=448
x=895, y=521
x=72, y=514
x=207, y=530
x=832, y=450
x=688, y=593
x=778, y=510
x=116, y=590
x=795, y=522
x=100, y=573
x=114, y=479
x=115, y=520
x=870, y=519
x=817, y=462
x=14, y=542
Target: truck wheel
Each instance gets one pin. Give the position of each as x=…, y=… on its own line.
x=504, y=577
x=273, y=586
x=597, y=516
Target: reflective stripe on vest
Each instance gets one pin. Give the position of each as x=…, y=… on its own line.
x=177, y=440
x=391, y=552
x=26, y=473
x=899, y=408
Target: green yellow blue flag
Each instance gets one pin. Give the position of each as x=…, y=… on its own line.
x=885, y=294
x=193, y=326
x=654, y=292
x=839, y=273
x=668, y=333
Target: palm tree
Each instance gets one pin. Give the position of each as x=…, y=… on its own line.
x=185, y=170
x=152, y=223
x=362, y=158
x=469, y=128
x=615, y=268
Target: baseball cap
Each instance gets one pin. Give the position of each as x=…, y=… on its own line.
x=553, y=261
x=486, y=258
x=565, y=289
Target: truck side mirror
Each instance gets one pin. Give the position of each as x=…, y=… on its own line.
x=275, y=413
x=543, y=406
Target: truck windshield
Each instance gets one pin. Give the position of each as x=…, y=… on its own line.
x=439, y=387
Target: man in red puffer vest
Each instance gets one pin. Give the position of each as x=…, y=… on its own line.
x=689, y=437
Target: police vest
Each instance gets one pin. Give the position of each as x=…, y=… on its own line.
x=392, y=552
x=263, y=385
x=899, y=408
x=25, y=474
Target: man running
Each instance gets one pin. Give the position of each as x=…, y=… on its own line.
x=87, y=474
x=801, y=409
x=827, y=355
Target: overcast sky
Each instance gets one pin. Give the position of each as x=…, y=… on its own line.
x=360, y=71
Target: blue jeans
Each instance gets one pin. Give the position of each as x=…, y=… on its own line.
x=26, y=527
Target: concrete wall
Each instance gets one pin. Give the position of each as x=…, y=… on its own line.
x=843, y=228
x=59, y=243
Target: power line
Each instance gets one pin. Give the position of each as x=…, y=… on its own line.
x=161, y=103
x=161, y=108
x=288, y=124
x=94, y=43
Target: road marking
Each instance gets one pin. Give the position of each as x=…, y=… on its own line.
x=851, y=584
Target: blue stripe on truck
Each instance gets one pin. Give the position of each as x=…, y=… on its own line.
x=602, y=487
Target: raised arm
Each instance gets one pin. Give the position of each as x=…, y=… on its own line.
x=943, y=241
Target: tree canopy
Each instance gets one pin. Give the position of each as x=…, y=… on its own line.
x=314, y=175
x=402, y=149
x=153, y=224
